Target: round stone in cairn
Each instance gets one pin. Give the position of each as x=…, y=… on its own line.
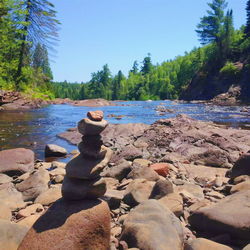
x=77, y=189
x=95, y=115
x=89, y=127
x=82, y=167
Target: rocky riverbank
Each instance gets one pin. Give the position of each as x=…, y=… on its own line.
x=10, y=100
x=176, y=184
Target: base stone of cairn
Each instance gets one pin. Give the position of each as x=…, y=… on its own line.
x=80, y=220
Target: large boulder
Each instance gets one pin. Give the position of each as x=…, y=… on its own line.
x=52, y=150
x=10, y=197
x=138, y=191
x=71, y=225
x=151, y=226
x=16, y=161
x=230, y=215
x=241, y=166
x=11, y=235
x=5, y=212
x=34, y=185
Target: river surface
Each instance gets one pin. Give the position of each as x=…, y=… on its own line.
x=35, y=128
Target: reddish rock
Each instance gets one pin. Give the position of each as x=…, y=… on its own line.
x=160, y=168
x=95, y=115
x=16, y=161
x=74, y=225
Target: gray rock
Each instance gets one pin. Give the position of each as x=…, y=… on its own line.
x=85, y=168
x=119, y=171
x=151, y=226
x=34, y=185
x=142, y=172
x=16, y=161
x=77, y=189
x=54, y=150
x=161, y=188
x=138, y=191
x=230, y=215
x=88, y=127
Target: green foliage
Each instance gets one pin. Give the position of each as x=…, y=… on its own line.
x=247, y=28
x=229, y=70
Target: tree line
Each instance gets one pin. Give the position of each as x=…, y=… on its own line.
x=28, y=29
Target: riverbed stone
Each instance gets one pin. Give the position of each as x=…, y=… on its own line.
x=71, y=225
x=34, y=185
x=10, y=197
x=243, y=186
x=11, y=235
x=143, y=172
x=205, y=244
x=161, y=168
x=151, y=226
x=52, y=150
x=29, y=221
x=89, y=127
x=30, y=210
x=78, y=189
x=16, y=161
x=161, y=188
x=95, y=115
x=5, y=179
x=193, y=189
x=230, y=215
x=49, y=196
x=138, y=191
x=241, y=166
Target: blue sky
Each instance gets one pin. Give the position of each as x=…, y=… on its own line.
x=118, y=32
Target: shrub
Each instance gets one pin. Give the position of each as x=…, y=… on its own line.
x=230, y=70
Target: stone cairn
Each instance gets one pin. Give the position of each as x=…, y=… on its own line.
x=83, y=180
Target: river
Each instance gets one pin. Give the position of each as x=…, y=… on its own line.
x=35, y=128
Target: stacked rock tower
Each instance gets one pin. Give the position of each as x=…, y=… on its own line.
x=83, y=180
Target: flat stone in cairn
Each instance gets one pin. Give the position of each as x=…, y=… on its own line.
x=82, y=180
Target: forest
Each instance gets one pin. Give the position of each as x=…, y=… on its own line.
x=24, y=62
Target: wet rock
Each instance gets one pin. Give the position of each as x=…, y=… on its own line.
x=161, y=188
x=204, y=244
x=160, y=168
x=138, y=191
x=119, y=171
x=89, y=127
x=142, y=172
x=10, y=197
x=33, y=186
x=95, y=115
x=241, y=166
x=11, y=235
x=49, y=196
x=230, y=215
x=151, y=226
x=78, y=189
x=30, y=210
x=52, y=150
x=16, y=161
x=71, y=225
x=173, y=202
x=5, y=179
x=5, y=212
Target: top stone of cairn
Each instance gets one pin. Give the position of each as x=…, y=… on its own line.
x=95, y=115
x=93, y=125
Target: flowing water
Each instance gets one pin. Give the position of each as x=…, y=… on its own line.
x=36, y=128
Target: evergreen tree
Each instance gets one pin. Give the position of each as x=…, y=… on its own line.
x=147, y=65
x=247, y=29
x=39, y=25
x=135, y=69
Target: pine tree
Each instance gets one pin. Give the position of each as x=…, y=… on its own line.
x=147, y=65
x=135, y=69
x=39, y=25
x=247, y=29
